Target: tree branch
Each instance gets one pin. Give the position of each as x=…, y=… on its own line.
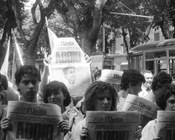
x=33, y=9
x=38, y=28
x=18, y=16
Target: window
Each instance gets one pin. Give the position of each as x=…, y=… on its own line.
x=156, y=36
x=172, y=53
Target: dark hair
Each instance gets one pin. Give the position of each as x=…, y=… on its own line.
x=160, y=80
x=132, y=77
x=96, y=88
x=26, y=69
x=97, y=74
x=164, y=93
x=3, y=82
x=55, y=86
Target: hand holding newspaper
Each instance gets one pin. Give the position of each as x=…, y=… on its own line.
x=33, y=121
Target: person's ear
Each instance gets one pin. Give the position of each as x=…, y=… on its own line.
x=130, y=86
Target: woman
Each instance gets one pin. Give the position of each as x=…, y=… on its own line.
x=56, y=92
x=165, y=99
x=99, y=96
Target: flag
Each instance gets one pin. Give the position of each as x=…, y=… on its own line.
x=51, y=35
x=18, y=51
x=52, y=39
x=5, y=65
x=17, y=58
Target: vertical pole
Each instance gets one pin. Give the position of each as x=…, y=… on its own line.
x=103, y=33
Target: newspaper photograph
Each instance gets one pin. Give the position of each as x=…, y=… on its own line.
x=33, y=121
x=166, y=125
x=69, y=66
x=112, y=125
x=147, y=108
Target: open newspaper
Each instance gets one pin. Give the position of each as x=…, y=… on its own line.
x=111, y=125
x=166, y=125
x=68, y=65
x=33, y=121
x=147, y=108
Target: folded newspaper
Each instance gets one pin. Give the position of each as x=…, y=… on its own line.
x=146, y=108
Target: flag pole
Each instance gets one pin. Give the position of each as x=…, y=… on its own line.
x=47, y=26
x=18, y=50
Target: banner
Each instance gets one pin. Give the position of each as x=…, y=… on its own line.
x=111, y=125
x=166, y=125
x=68, y=65
x=33, y=121
x=147, y=108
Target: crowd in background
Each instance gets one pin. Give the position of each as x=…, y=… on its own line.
x=101, y=95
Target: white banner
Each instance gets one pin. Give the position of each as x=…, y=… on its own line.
x=112, y=125
x=68, y=65
x=33, y=121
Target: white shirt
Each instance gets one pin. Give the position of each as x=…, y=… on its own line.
x=149, y=131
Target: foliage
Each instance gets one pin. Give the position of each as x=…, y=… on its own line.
x=159, y=9
x=82, y=20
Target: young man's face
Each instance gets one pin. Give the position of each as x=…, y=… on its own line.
x=28, y=88
x=135, y=89
x=71, y=75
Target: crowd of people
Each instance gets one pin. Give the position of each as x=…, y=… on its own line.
x=100, y=95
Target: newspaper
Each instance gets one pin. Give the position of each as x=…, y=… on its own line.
x=147, y=108
x=68, y=65
x=166, y=125
x=33, y=121
x=2, y=110
x=2, y=107
x=111, y=125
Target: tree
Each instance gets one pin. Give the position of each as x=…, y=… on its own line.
x=7, y=22
x=133, y=29
x=83, y=17
x=159, y=9
x=171, y=11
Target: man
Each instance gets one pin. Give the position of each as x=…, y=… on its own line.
x=131, y=82
x=70, y=74
x=147, y=92
x=27, y=81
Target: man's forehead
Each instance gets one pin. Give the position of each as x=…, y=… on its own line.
x=29, y=77
x=148, y=74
